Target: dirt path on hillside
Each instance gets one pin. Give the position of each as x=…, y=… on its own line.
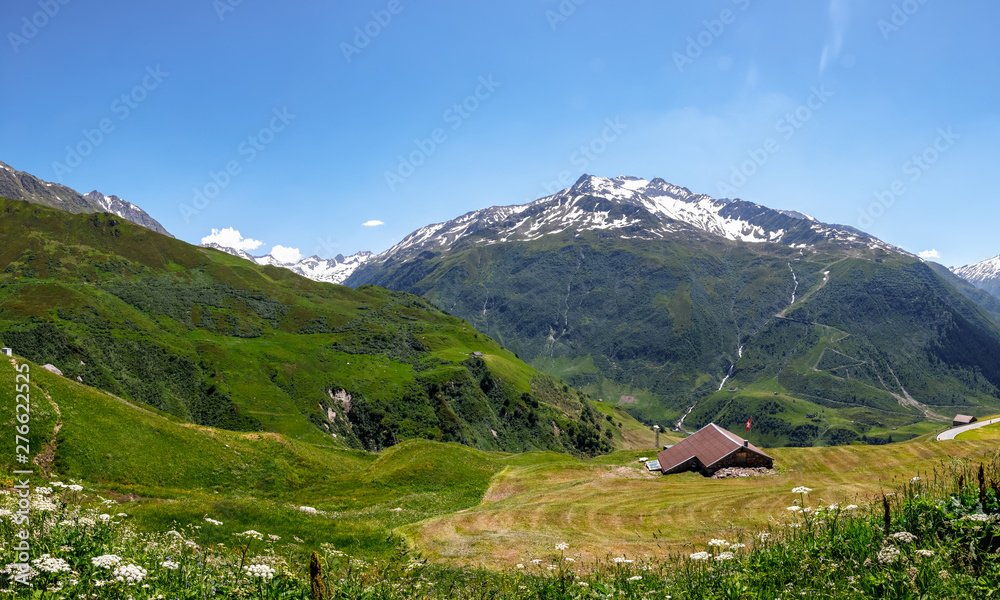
x=47, y=456
x=906, y=399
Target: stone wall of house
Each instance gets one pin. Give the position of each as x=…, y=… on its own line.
x=750, y=459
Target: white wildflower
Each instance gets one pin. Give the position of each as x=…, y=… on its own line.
x=74, y=488
x=850, y=507
x=562, y=546
x=888, y=555
x=43, y=491
x=213, y=521
x=260, y=572
x=925, y=553
x=130, y=574
x=979, y=517
x=171, y=565
x=725, y=556
x=17, y=569
x=106, y=561
x=308, y=509
x=914, y=480
x=635, y=578
x=50, y=564
x=715, y=542
x=904, y=536
x=700, y=556
x=801, y=490
x=737, y=546
x=251, y=534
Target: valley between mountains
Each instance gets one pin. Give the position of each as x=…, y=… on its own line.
x=487, y=388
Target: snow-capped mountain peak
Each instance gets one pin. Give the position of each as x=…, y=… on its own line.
x=635, y=208
x=125, y=210
x=984, y=275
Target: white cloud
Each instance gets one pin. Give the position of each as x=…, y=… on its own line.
x=286, y=255
x=840, y=17
x=231, y=238
x=929, y=254
x=372, y=223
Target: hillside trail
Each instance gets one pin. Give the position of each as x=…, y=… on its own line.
x=44, y=459
x=906, y=399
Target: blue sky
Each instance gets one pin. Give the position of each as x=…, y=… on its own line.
x=287, y=121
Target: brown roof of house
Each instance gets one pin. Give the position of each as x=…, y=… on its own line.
x=710, y=444
x=963, y=419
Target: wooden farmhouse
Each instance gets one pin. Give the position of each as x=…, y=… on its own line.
x=960, y=420
x=710, y=449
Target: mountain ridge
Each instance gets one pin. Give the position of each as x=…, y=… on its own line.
x=673, y=209
x=984, y=275
x=20, y=185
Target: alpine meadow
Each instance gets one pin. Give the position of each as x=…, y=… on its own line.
x=534, y=300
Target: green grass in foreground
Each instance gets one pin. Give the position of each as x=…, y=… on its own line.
x=931, y=538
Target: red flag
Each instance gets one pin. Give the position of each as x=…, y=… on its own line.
x=748, y=423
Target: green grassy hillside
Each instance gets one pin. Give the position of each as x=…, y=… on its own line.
x=219, y=341
x=451, y=502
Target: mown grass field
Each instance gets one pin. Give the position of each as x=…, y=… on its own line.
x=609, y=506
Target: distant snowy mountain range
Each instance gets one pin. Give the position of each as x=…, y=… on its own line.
x=19, y=185
x=636, y=208
x=984, y=275
x=330, y=270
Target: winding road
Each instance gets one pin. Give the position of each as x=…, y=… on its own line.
x=951, y=433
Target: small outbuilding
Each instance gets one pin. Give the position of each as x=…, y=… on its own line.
x=709, y=449
x=960, y=420
x=6, y=352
